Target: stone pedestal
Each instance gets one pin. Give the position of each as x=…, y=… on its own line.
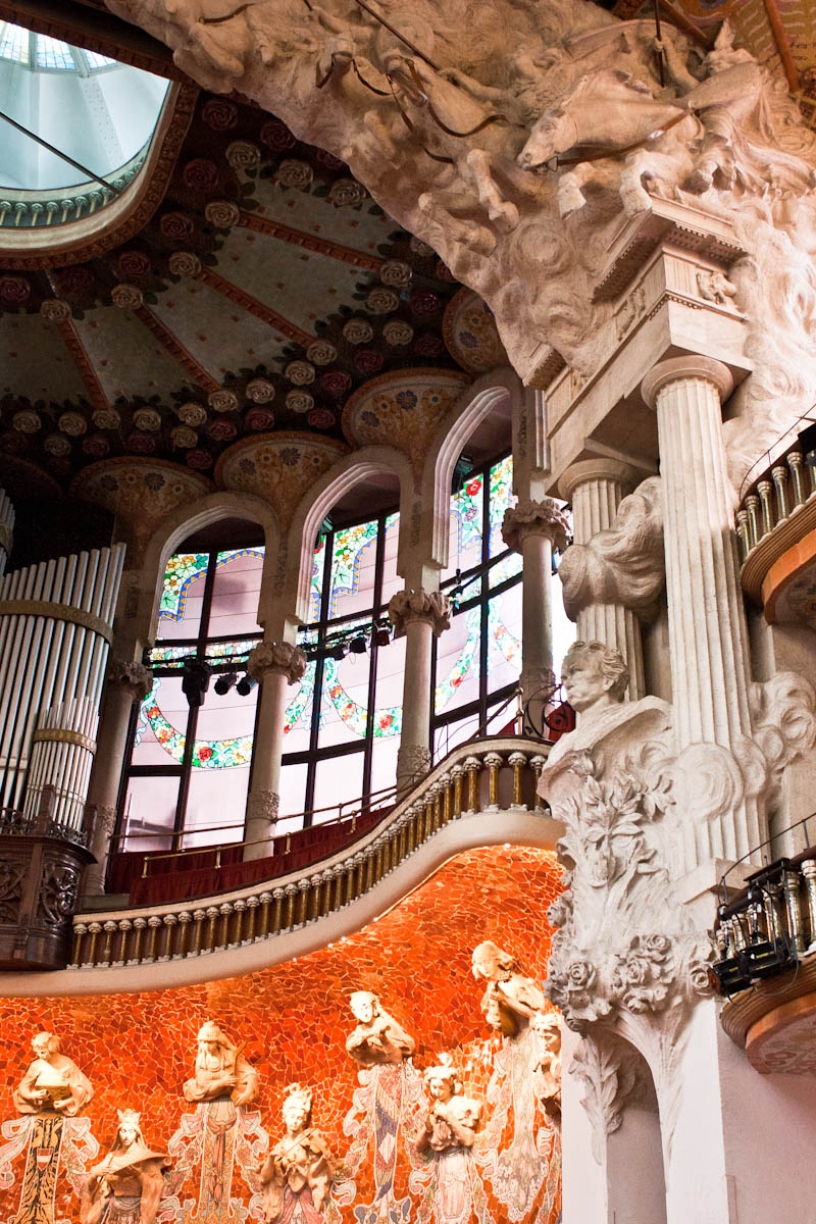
x=534, y=529
x=595, y=488
x=708, y=639
x=275, y=665
x=419, y=616
x=127, y=683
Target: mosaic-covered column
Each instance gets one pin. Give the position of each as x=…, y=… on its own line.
x=275, y=665
x=707, y=632
x=127, y=682
x=534, y=529
x=419, y=616
x=595, y=489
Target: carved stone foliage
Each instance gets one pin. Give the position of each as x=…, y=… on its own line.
x=131, y=676
x=624, y=564
x=281, y=657
x=544, y=518
x=430, y=607
x=514, y=92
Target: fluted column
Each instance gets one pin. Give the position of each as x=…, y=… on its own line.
x=127, y=682
x=533, y=529
x=707, y=632
x=595, y=489
x=419, y=616
x=275, y=665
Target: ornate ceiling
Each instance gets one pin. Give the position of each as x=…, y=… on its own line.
x=261, y=290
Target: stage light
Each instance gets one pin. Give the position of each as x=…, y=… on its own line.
x=339, y=652
x=357, y=645
x=195, y=680
x=245, y=685
x=225, y=682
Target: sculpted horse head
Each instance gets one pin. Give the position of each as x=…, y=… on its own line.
x=608, y=110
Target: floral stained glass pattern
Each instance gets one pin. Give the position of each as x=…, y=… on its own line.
x=207, y=754
x=182, y=569
x=348, y=553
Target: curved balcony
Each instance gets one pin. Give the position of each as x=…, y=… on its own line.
x=483, y=794
x=766, y=941
x=775, y=526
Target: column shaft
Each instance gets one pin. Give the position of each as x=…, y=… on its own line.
x=263, y=801
x=415, y=751
x=536, y=613
x=106, y=777
x=596, y=487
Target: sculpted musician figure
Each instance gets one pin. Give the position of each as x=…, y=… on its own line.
x=53, y=1083
x=378, y=1038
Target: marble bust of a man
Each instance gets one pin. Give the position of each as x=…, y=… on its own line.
x=595, y=678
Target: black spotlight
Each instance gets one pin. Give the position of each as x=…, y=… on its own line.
x=381, y=636
x=357, y=645
x=225, y=682
x=195, y=680
x=245, y=685
x=339, y=652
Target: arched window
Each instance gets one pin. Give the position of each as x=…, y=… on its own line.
x=343, y=724
x=187, y=780
x=477, y=662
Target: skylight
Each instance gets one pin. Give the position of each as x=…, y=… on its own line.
x=97, y=112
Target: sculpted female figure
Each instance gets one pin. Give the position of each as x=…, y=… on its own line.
x=510, y=1000
x=378, y=1038
x=53, y=1082
x=221, y=1071
x=297, y=1174
x=125, y=1187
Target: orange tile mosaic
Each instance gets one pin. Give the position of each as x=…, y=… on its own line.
x=294, y=1018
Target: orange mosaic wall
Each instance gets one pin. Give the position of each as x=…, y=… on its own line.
x=294, y=1018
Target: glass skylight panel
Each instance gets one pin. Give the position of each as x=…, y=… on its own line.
x=14, y=42
x=51, y=53
x=95, y=61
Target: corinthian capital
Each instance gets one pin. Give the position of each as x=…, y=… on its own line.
x=430, y=607
x=131, y=677
x=545, y=518
x=289, y=661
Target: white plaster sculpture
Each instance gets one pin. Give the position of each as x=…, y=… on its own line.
x=510, y=1000
x=297, y=1174
x=626, y=956
x=378, y=1039
x=127, y=1185
x=547, y=1071
x=53, y=1082
x=624, y=564
x=221, y=1071
x=466, y=123
x=453, y=1119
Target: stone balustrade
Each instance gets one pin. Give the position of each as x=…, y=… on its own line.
x=33, y=210
x=493, y=776
x=787, y=485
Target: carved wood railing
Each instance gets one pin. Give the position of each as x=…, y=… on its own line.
x=491, y=776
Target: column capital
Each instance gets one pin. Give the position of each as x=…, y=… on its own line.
x=600, y=468
x=540, y=518
x=130, y=677
x=280, y=657
x=691, y=366
x=429, y=607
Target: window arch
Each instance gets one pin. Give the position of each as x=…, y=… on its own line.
x=187, y=779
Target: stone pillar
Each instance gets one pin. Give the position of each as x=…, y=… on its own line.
x=127, y=682
x=275, y=665
x=595, y=489
x=533, y=529
x=708, y=639
x=419, y=616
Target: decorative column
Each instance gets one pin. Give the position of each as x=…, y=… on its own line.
x=595, y=489
x=707, y=632
x=419, y=616
x=533, y=529
x=275, y=665
x=127, y=682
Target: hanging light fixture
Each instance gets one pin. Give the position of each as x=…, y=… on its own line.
x=225, y=682
x=245, y=685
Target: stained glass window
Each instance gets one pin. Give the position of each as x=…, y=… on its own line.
x=197, y=759
x=477, y=662
x=350, y=700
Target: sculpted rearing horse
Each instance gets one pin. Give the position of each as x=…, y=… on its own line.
x=606, y=116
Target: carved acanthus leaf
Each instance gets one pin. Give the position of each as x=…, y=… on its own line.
x=544, y=518
x=430, y=607
x=281, y=657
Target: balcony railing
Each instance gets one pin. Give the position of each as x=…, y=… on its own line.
x=770, y=926
x=491, y=776
x=788, y=485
